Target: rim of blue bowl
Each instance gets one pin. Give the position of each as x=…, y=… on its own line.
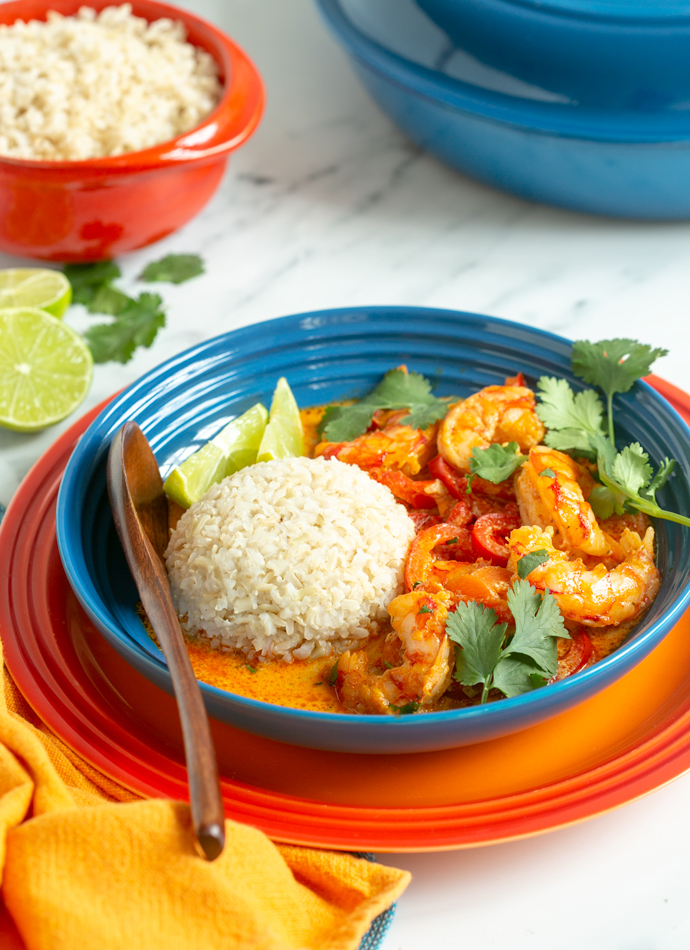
x=564, y=121
x=616, y=11
x=67, y=525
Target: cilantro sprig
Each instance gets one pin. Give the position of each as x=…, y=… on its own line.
x=614, y=366
x=579, y=424
x=173, y=268
x=496, y=463
x=397, y=390
x=513, y=659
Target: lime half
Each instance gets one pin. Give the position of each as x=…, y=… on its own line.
x=233, y=448
x=35, y=287
x=45, y=369
x=284, y=435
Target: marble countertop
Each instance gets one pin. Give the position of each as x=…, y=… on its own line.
x=329, y=206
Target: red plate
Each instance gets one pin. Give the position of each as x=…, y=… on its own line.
x=620, y=745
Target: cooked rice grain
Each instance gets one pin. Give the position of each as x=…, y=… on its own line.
x=289, y=558
x=89, y=85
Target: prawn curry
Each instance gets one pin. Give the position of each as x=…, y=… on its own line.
x=521, y=572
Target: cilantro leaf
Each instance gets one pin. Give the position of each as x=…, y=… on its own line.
x=538, y=621
x=407, y=709
x=422, y=416
x=136, y=325
x=561, y=408
x=397, y=390
x=496, y=463
x=660, y=479
x=631, y=468
x=529, y=562
x=476, y=629
x=173, y=268
x=605, y=502
x=614, y=366
x=569, y=440
x=108, y=299
x=522, y=662
x=344, y=423
x=88, y=279
x=515, y=676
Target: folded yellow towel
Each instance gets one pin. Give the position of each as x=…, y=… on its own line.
x=86, y=865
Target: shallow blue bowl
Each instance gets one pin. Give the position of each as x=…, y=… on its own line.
x=611, y=54
x=326, y=356
x=513, y=135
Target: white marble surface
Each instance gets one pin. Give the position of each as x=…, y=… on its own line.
x=330, y=206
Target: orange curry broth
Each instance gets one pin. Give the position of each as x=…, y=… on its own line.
x=303, y=684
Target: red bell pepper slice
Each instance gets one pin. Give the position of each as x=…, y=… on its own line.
x=490, y=533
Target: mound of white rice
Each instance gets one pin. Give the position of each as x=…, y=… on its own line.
x=296, y=557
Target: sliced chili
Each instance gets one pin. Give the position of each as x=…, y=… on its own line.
x=455, y=482
x=490, y=536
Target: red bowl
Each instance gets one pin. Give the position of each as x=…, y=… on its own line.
x=100, y=208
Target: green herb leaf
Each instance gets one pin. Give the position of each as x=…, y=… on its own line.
x=91, y=275
x=515, y=675
x=344, y=423
x=407, y=709
x=660, y=479
x=538, y=622
x=476, y=629
x=631, y=468
x=416, y=585
x=397, y=390
x=613, y=365
x=425, y=610
x=606, y=502
x=252, y=669
x=333, y=675
x=529, y=562
x=575, y=441
x=547, y=473
x=561, y=408
x=136, y=325
x=496, y=463
x=173, y=268
x=109, y=300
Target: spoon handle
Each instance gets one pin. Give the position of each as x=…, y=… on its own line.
x=140, y=514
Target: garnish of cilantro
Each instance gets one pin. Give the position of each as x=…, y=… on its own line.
x=513, y=659
x=397, y=390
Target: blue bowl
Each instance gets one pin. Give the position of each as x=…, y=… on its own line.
x=611, y=54
x=513, y=135
x=326, y=356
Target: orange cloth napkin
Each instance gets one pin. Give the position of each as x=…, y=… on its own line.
x=86, y=865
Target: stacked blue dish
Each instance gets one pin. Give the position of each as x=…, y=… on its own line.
x=584, y=104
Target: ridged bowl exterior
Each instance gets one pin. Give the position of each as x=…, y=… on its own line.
x=626, y=163
x=326, y=356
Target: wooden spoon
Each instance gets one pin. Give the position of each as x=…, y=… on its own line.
x=141, y=518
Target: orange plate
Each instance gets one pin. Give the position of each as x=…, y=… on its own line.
x=614, y=748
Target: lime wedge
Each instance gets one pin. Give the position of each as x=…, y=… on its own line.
x=233, y=448
x=284, y=435
x=35, y=287
x=45, y=369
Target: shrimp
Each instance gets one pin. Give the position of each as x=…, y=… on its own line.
x=396, y=447
x=494, y=414
x=421, y=652
x=599, y=597
x=549, y=492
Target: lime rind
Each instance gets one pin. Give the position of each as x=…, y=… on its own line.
x=233, y=448
x=284, y=434
x=45, y=369
x=34, y=287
